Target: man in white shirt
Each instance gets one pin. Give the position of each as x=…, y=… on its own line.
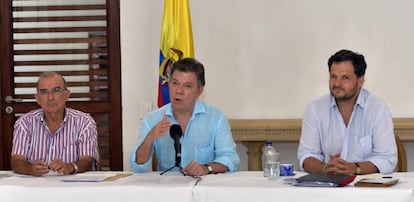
x=349, y=131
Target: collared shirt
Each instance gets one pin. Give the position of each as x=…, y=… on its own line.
x=369, y=135
x=76, y=136
x=207, y=139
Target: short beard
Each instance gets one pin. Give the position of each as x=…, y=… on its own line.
x=346, y=97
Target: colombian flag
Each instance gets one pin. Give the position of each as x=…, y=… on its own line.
x=176, y=42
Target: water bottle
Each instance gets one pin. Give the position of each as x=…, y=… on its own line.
x=270, y=161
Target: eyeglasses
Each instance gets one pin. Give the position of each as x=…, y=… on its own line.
x=53, y=91
x=185, y=86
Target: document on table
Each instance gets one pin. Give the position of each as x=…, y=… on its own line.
x=89, y=177
x=4, y=175
x=53, y=173
x=167, y=180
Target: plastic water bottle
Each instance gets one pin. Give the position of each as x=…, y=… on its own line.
x=270, y=161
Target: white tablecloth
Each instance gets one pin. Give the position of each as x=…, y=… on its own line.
x=239, y=186
x=137, y=187
x=252, y=186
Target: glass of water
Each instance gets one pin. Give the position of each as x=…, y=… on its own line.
x=274, y=170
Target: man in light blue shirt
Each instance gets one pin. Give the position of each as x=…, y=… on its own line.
x=349, y=131
x=207, y=144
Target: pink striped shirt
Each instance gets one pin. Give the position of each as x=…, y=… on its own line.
x=77, y=136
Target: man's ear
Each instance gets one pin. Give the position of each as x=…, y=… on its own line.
x=361, y=81
x=200, y=90
x=67, y=94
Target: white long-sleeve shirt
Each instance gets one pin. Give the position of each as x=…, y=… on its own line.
x=369, y=135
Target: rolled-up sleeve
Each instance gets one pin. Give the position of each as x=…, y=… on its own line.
x=226, y=153
x=384, y=155
x=310, y=140
x=140, y=168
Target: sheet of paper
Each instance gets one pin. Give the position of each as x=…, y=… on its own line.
x=88, y=177
x=4, y=175
x=53, y=173
x=177, y=180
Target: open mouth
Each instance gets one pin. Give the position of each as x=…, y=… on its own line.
x=177, y=100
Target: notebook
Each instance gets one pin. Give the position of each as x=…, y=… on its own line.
x=376, y=182
x=324, y=180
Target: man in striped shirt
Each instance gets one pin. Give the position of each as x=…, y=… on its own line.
x=54, y=138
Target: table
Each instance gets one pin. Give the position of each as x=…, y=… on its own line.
x=136, y=187
x=252, y=186
x=239, y=186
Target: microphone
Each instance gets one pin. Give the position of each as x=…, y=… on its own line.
x=176, y=132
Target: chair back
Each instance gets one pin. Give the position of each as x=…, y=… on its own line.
x=402, y=156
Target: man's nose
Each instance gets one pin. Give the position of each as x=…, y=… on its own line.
x=180, y=89
x=50, y=95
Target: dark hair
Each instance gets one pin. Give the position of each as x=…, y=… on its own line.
x=50, y=74
x=190, y=65
x=358, y=61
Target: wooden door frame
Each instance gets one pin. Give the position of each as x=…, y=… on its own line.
x=114, y=92
x=6, y=60
x=114, y=60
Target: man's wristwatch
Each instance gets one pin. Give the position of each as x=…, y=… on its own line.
x=209, y=168
x=75, y=167
x=357, y=169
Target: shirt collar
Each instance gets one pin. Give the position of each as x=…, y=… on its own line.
x=42, y=117
x=199, y=108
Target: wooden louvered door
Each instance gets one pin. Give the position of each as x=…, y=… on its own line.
x=80, y=40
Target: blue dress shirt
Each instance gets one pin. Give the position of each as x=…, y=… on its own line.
x=369, y=135
x=207, y=139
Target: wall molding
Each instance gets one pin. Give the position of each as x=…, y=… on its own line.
x=288, y=130
x=253, y=132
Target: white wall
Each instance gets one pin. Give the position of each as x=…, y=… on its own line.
x=267, y=58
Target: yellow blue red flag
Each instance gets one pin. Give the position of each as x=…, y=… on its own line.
x=176, y=42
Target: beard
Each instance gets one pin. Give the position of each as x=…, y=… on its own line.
x=346, y=95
